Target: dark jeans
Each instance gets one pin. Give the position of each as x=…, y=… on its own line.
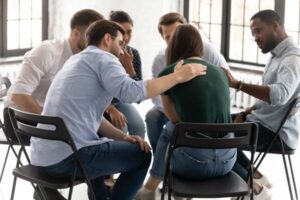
x=265, y=136
x=109, y=158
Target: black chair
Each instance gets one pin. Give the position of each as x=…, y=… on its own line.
x=4, y=135
x=196, y=135
x=22, y=124
x=292, y=110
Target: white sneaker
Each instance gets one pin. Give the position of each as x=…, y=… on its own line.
x=144, y=195
x=265, y=194
x=180, y=198
x=263, y=181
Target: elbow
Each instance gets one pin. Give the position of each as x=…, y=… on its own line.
x=279, y=96
x=15, y=98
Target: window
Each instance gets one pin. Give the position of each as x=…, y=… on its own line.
x=292, y=19
x=23, y=24
x=207, y=15
x=226, y=24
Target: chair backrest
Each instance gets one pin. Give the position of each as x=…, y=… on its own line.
x=4, y=81
x=4, y=86
x=293, y=109
x=22, y=123
x=211, y=135
x=28, y=124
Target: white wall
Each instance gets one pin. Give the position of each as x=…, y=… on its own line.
x=145, y=14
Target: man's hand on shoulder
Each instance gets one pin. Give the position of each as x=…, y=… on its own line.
x=186, y=72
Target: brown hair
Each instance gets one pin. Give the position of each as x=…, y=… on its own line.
x=169, y=19
x=84, y=18
x=120, y=17
x=184, y=43
x=98, y=29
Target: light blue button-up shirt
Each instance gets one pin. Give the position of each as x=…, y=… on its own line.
x=282, y=75
x=79, y=94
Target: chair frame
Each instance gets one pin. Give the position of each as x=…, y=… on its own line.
x=22, y=124
x=245, y=136
x=3, y=93
x=294, y=108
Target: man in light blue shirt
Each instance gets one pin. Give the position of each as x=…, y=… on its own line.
x=280, y=84
x=80, y=93
x=155, y=118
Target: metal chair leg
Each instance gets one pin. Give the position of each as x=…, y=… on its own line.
x=287, y=176
x=293, y=177
x=13, y=188
x=4, y=164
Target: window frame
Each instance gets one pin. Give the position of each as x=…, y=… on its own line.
x=225, y=27
x=4, y=52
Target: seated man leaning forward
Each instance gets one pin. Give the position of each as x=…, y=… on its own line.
x=80, y=93
x=204, y=99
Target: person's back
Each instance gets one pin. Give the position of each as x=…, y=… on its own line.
x=42, y=63
x=204, y=99
x=39, y=67
x=155, y=117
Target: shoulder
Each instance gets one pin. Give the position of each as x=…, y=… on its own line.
x=52, y=45
x=212, y=54
x=290, y=62
x=48, y=47
x=207, y=46
x=136, y=55
x=160, y=57
x=161, y=53
x=134, y=50
x=167, y=70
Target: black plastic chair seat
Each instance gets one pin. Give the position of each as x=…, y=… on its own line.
x=37, y=175
x=225, y=186
x=279, y=151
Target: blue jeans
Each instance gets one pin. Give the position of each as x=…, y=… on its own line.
x=135, y=125
x=109, y=158
x=265, y=136
x=191, y=163
x=155, y=121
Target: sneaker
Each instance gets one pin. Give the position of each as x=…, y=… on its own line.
x=51, y=194
x=265, y=194
x=263, y=181
x=144, y=195
x=179, y=198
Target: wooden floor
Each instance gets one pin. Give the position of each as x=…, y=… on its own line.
x=272, y=167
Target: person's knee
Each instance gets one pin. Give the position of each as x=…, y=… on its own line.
x=152, y=115
x=148, y=158
x=169, y=127
x=137, y=128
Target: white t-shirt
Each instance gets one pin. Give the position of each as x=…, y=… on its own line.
x=38, y=69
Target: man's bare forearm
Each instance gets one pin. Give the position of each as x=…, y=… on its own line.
x=108, y=130
x=26, y=103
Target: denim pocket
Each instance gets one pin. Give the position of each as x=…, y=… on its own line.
x=228, y=164
x=191, y=166
x=195, y=159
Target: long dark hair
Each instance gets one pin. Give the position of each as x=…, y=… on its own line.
x=185, y=42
